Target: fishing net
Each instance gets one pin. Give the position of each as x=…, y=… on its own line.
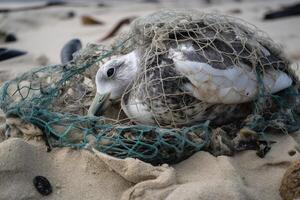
x=55, y=99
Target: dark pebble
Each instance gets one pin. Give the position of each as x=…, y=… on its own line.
x=11, y=38
x=101, y=4
x=71, y=14
x=42, y=185
x=56, y=3
x=69, y=49
x=287, y=11
x=264, y=149
x=292, y=152
x=151, y=1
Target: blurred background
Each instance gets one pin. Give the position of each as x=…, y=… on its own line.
x=33, y=32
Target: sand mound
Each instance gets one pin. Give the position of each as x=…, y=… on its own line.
x=82, y=174
x=73, y=174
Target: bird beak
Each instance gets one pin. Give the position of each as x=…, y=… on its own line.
x=99, y=104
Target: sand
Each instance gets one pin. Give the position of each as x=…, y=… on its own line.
x=83, y=174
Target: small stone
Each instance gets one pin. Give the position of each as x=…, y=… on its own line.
x=42, y=185
x=101, y=4
x=289, y=189
x=71, y=14
x=71, y=47
x=10, y=37
x=292, y=152
x=88, y=20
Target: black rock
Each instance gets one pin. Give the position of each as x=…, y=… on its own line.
x=101, y=4
x=69, y=49
x=6, y=54
x=42, y=185
x=287, y=11
x=10, y=38
x=56, y=3
x=151, y=1
x=71, y=14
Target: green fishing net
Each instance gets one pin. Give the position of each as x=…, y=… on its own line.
x=55, y=99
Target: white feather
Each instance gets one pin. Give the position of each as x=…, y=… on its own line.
x=229, y=86
x=137, y=111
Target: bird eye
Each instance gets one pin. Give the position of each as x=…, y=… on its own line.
x=110, y=72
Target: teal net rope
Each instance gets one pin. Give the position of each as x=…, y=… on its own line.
x=148, y=143
x=32, y=103
x=41, y=97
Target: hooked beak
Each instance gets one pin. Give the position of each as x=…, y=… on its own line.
x=99, y=104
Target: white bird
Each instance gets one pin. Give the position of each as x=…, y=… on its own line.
x=190, y=83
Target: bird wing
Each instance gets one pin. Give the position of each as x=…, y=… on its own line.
x=232, y=85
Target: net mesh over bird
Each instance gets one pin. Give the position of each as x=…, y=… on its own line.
x=56, y=98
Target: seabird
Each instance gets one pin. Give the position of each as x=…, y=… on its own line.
x=190, y=82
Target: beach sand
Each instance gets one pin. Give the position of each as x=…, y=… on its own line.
x=82, y=174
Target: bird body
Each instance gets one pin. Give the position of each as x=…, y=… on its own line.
x=163, y=100
x=181, y=92
x=235, y=84
x=194, y=78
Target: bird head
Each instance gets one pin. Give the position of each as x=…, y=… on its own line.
x=112, y=79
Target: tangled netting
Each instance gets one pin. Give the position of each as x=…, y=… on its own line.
x=56, y=98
